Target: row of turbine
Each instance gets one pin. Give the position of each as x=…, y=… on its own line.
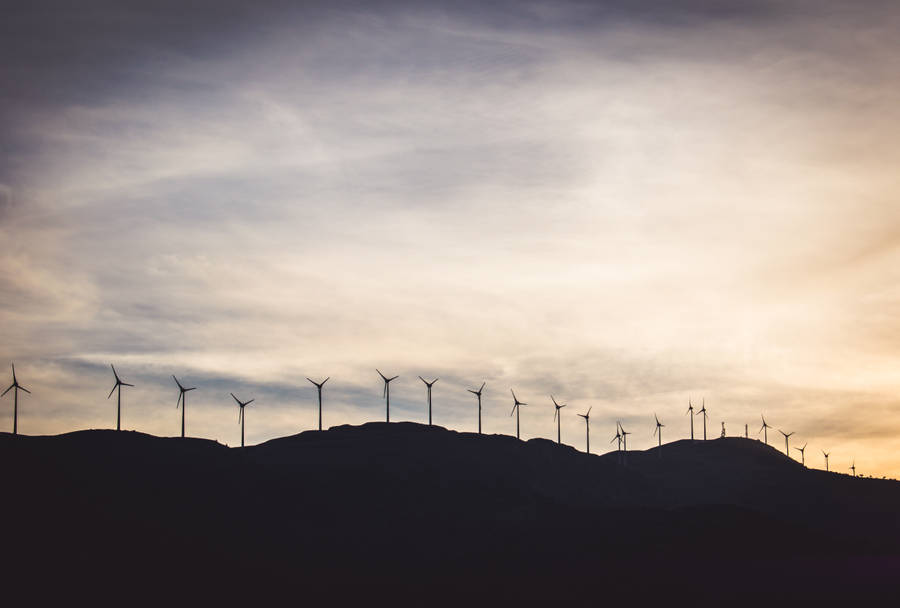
x=621, y=436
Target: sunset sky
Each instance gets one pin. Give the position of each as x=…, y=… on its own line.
x=625, y=204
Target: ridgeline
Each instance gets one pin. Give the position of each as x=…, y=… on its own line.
x=400, y=510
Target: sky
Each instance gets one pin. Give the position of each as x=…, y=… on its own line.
x=627, y=205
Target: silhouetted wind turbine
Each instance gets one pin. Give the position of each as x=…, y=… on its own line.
x=853, y=468
x=690, y=411
x=557, y=417
x=765, y=427
x=319, y=386
x=617, y=437
x=428, y=385
x=118, y=385
x=515, y=409
x=625, y=435
x=786, y=442
x=587, y=425
x=478, y=394
x=18, y=387
x=824, y=453
x=658, y=430
x=802, y=455
x=703, y=413
x=181, y=400
x=387, y=393
x=242, y=405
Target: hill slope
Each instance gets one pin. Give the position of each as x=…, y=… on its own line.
x=382, y=508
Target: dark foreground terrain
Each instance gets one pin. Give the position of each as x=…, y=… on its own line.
x=416, y=515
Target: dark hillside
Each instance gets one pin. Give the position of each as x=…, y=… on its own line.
x=403, y=508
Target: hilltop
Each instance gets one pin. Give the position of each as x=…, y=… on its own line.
x=380, y=508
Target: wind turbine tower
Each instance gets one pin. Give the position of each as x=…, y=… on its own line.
x=658, y=431
x=787, y=437
x=587, y=425
x=428, y=385
x=15, y=387
x=825, y=454
x=690, y=411
x=118, y=385
x=319, y=386
x=516, y=404
x=478, y=394
x=241, y=417
x=182, y=401
x=765, y=428
x=387, y=393
x=802, y=455
x=705, y=416
x=558, y=418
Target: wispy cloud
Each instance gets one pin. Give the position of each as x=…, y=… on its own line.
x=627, y=204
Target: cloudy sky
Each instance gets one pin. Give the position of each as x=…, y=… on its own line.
x=625, y=204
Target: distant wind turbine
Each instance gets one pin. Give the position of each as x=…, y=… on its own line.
x=478, y=394
x=625, y=435
x=241, y=417
x=558, y=418
x=617, y=438
x=825, y=454
x=515, y=409
x=182, y=401
x=690, y=411
x=387, y=393
x=853, y=468
x=802, y=455
x=428, y=385
x=765, y=428
x=587, y=426
x=319, y=386
x=118, y=385
x=786, y=442
x=705, y=416
x=18, y=387
x=657, y=432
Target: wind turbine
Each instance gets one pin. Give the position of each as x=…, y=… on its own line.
x=181, y=400
x=587, y=425
x=690, y=411
x=429, y=385
x=824, y=453
x=387, y=393
x=625, y=435
x=241, y=419
x=15, y=385
x=557, y=417
x=515, y=409
x=118, y=385
x=319, y=386
x=853, y=468
x=478, y=394
x=765, y=427
x=786, y=442
x=617, y=437
x=658, y=431
x=802, y=455
x=703, y=413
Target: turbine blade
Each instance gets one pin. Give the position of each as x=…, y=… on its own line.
x=482, y=386
x=589, y=410
x=379, y=373
x=180, y=397
x=392, y=379
x=249, y=402
x=235, y=398
x=190, y=389
x=126, y=384
x=7, y=390
x=114, y=372
x=14, y=372
x=326, y=380
x=22, y=388
x=112, y=390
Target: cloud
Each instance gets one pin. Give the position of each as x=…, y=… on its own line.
x=625, y=204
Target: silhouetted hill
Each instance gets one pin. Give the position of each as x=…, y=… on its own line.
x=394, y=510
